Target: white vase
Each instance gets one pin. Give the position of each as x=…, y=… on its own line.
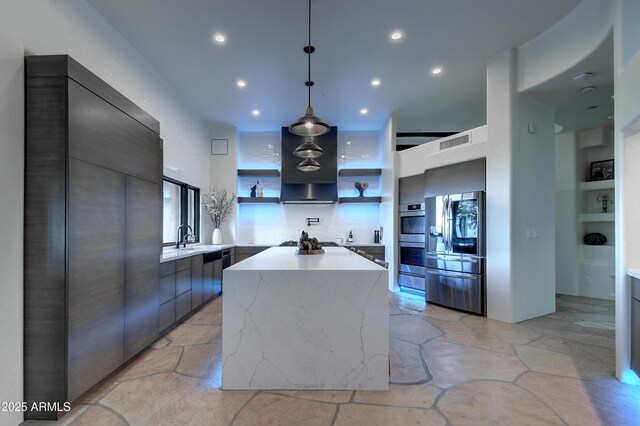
x=216, y=236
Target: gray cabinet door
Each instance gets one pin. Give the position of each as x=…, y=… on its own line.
x=143, y=243
x=197, y=269
x=183, y=305
x=96, y=271
x=411, y=189
x=207, y=281
x=217, y=277
x=117, y=141
x=183, y=281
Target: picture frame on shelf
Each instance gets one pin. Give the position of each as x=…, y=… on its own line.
x=601, y=170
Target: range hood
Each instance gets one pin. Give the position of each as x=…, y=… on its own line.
x=319, y=187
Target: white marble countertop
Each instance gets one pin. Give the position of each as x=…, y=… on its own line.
x=284, y=259
x=634, y=272
x=173, y=253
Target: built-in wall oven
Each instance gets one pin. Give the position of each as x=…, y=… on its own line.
x=412, y=224
x=412, y=265
x=412, y=246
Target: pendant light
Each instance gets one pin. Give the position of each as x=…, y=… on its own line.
x=309, y=124
x=309, y=165
x=308, y=150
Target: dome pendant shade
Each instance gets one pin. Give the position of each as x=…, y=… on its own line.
x=308, y=150
x=309, y=125
x=309, y=165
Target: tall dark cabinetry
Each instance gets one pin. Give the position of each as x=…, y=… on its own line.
x=93, y=226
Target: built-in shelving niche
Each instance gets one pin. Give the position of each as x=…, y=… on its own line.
x=269, y=180
x=348, y=178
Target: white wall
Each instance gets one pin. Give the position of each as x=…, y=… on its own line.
x=565, y=44
x=223, y=174
x=274, y=223
x=566, y=214
x=533, y=210
x=500, y=110
x=72, y=27
x=389, y=193
x=11, y=224
x=627, y=156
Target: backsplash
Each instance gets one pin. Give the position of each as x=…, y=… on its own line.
x=274, y=223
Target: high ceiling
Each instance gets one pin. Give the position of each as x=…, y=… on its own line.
x=353, y=46
x=576, y=109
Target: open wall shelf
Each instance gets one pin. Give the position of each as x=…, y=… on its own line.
x=598, y=185
x=360, y=200
x=258, y=200
x=258, y=172
x=360, y=172
x=597, y=217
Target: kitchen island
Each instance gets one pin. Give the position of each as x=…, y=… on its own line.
x=305, y=322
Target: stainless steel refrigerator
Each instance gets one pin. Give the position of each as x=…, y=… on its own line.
x=455, y=251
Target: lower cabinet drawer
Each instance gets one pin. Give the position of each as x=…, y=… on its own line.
x=167, y=314
x=183, y=305
x=183, y=281
x=167, y=288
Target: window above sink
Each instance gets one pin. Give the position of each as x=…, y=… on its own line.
x=180, y=205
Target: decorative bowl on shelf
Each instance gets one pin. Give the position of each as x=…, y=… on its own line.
x=595, y=239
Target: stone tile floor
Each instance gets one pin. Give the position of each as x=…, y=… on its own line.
x=447, y=368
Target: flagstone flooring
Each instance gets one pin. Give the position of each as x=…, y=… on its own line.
x=447, y=368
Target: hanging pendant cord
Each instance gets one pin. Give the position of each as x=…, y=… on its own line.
x=309, y=61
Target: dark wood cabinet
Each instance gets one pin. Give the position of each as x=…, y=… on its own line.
x=411, y=189
x=245, y=252
x=143, y=248
x=197, y=269
x=167, y=314
x=183, y=281
x=183, y=305
x=96, y=272
x=93, y=220
x=207, y=281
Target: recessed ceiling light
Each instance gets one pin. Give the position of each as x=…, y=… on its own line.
x=582, y=76
x=364, y=111
x=255, y=112
x=219, y=38
x=436, y=71
x=593, y=107
x=587, y=89
x=396, y=35
x=241, y=83
x=375, y=82
x=348, y=142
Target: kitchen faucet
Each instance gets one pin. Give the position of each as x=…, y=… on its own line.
x=186, y=237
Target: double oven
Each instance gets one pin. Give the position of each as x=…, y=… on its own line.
x=412, y=228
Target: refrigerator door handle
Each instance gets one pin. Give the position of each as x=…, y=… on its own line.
x=453, y=275
x=450, y=224
x=443, y=256
x=445, y=227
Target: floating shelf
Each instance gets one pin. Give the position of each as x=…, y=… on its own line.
x=360, y=200
x=360, y=172
x=258, y=172
x=598, y=185
x=597, y=217
x=258, y=200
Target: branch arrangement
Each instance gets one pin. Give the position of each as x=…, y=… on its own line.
x=217, y=206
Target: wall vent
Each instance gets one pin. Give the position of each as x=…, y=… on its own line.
x=450, y=143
